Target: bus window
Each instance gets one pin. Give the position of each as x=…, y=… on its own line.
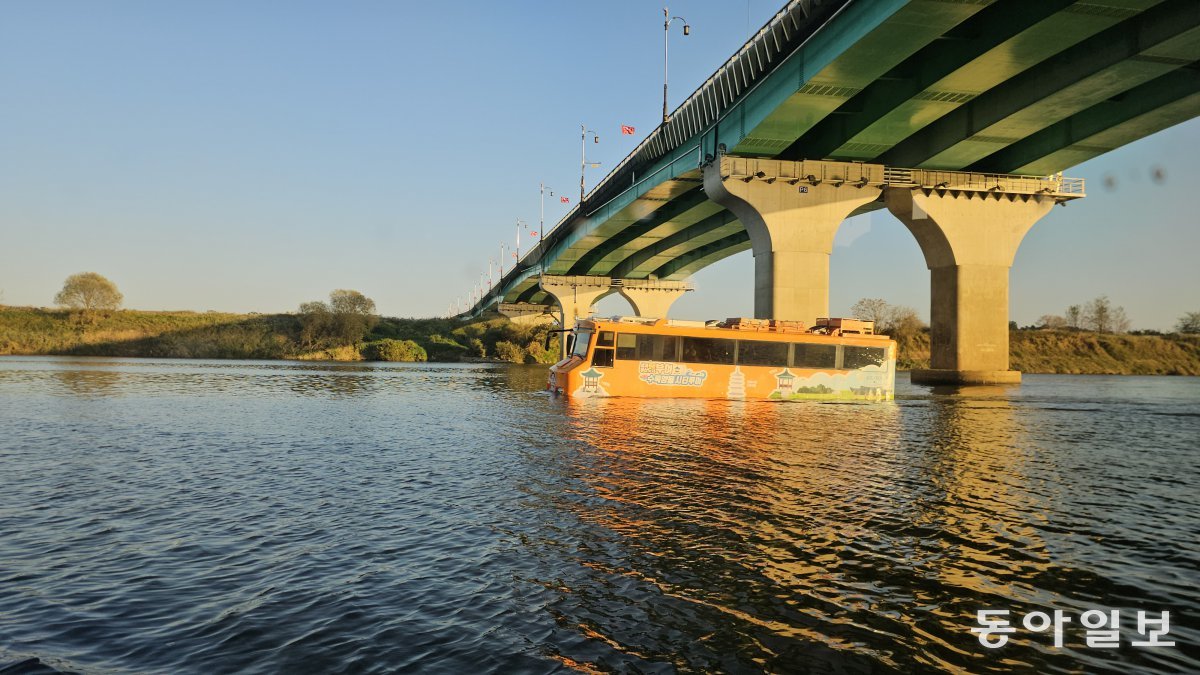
x=807, y=355
x=582, y=338
x=658, y=347
x=627, y=347
x=707, y=350
x=762, y=353
x=854, y=358
x=603, y=356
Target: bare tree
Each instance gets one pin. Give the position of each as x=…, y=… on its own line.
x=89, y=292
x=872, y=309
x=1188, y=323
x=1100, y=316
x=903, y=322
x=895, y=320
x=1074, y=317
x=1120, y=323
x=1052, y=322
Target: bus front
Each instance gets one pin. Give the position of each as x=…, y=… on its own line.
x=564, y=374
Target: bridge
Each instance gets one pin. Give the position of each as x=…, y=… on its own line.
x=956, y=116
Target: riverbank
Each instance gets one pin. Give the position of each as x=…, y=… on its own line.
x=214, y=335
x=1075, y=352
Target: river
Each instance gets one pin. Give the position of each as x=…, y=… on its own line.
x=237, y=516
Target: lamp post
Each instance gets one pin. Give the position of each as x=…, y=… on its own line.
x=542, y=210
x=583, y=132
x=687, y=30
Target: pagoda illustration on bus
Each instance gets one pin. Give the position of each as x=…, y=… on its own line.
x=836, y=359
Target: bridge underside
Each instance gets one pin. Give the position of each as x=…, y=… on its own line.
x=669, y=233
x=983, y=87
x=1007, y=86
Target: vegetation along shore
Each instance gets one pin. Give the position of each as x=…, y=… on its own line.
x=1089, y=339
x=323, y=334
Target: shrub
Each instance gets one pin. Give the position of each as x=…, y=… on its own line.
x=507, y=351
x=441, y=348
x=394, y=350
x=477, y=348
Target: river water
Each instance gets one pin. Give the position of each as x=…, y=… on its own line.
x=225, y=516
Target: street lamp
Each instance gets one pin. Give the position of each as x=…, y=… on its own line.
x=517, y=254
x=687, y=30
x=542, y=188
x=583, y=163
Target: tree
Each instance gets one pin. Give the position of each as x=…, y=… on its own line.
x=1052, y=321
x=872, y=309
x=903, y=323
x=1188, y=323
x=89, y=292
x=1120, y=323
x=316, y=324
x=1102, y=317
x=894, y=320
x=1074, y=317
x=347, y=317
x=353, y=315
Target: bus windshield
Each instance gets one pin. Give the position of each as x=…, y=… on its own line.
x=582, y=340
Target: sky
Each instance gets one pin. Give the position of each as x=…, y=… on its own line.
x=250, y=156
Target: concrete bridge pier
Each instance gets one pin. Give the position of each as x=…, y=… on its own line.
x=791, y=211
x=650, y=300
x=969, y=238
x=575, y=295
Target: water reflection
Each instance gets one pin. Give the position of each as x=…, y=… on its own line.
x=456, y=518
x=88, y=383
x=801, y=537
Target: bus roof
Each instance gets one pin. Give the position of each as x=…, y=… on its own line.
x=740, y=329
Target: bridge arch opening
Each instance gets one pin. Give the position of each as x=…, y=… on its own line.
x=613, y=304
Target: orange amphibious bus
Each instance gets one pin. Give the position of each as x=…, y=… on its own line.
x=737, y=359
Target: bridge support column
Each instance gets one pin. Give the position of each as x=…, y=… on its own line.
x=792, y=211
x=652, y=302
x=969, y=238
x=575, y=296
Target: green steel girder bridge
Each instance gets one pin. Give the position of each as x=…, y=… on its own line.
x=866, y=92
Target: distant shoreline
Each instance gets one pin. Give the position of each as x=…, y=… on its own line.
x=28, y=331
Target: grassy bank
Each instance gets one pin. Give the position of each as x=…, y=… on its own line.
x=1083, y=353
x=212, y=335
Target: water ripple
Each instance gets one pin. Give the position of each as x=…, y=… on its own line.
x=212, y=516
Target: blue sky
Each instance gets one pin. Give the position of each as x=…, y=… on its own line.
x=250, y=156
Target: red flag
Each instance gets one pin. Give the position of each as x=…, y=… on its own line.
x=626, y=130
x=565, y=200
x=533, y=235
